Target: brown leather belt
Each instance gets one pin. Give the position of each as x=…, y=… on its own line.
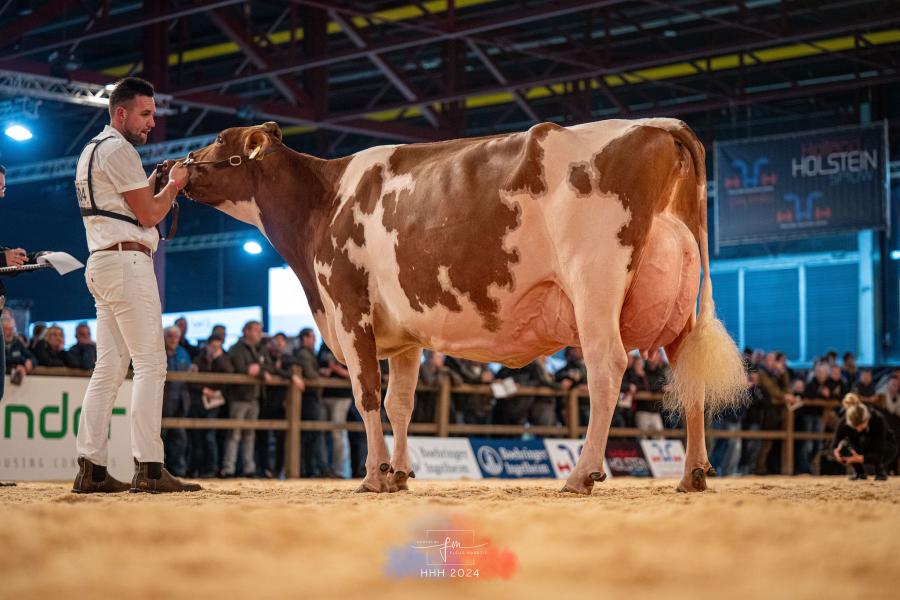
x=127, y=247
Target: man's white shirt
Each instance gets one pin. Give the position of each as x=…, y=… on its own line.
x=117, y=169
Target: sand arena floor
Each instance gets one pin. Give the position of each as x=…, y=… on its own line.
x=751, y=537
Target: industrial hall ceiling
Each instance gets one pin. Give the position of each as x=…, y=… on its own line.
x=341, y=76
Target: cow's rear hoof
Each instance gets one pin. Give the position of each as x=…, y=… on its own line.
x=365, y=489
x=696, y=482
x=570, y=490
x=711, y=472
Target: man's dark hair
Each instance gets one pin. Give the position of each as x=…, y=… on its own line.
x=2, y=170
x=214, y=337
x=306, y=331
x=280, y=334
x=127, y=89
x=249, y=324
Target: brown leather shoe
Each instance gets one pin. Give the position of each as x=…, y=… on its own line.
x=166, y=483
x=85, y=484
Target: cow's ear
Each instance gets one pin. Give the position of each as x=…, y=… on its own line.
x=256, y=144
x=273, y=128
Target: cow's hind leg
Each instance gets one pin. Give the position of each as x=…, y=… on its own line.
x=404, y=373
x=605, y=359
x=696, y=465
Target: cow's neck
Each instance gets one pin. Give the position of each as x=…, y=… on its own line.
x=295, y=200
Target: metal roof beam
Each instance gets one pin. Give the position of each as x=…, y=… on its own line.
x=126, y=23
x=519, y=18
x=393, y=74
x=251, y=49
x=31, y=79
x=43, y=15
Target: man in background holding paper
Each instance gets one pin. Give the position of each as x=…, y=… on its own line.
x=9, y=257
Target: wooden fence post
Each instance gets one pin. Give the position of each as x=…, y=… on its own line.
x=443, y=408
x=292, y=437
x=787, y=450
x=572, y=412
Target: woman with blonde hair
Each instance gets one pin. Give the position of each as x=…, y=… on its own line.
x=863, y=437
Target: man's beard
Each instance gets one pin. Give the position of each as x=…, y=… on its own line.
x=134, y=138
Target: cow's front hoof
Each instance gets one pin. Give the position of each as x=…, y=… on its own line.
x=378, y=481
x=401, y=479
x=695, y=481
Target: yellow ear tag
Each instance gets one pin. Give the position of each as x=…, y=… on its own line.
x=255, y=152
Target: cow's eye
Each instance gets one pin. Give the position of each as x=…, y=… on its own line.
x=219, y=140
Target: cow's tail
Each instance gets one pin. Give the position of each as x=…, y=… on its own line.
x=707, y=373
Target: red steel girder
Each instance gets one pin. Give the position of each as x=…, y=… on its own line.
x=125, y=23
x=43, y=15
x=228, y=104
x=636, y=64
x=465, y=29
x=235, y=32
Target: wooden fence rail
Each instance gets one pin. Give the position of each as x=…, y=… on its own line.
x=442, y=427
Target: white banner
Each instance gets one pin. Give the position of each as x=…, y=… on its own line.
x=665, y=457
x=440, y=458
x=38, y=425
x=564, y=453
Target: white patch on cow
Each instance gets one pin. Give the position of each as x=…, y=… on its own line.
x=246, y=211
x=359, y=164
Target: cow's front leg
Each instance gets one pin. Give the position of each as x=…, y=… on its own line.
x=365, y=377
x=404, y=369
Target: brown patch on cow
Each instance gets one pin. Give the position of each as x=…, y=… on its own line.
x=640, y=167
x=456, y=216
x=529, y=172
x=580, y=179
x=686, y=202
x=348, y=284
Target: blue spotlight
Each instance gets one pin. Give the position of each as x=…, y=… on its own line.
x=252, y=247
x=18, y=133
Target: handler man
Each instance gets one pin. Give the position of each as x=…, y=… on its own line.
x=120, y=213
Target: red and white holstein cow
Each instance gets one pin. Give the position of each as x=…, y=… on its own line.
x=497, y=249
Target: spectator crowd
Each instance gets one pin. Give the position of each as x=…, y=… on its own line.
x=773, y=390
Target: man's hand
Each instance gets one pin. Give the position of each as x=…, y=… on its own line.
x=854, y=457
x=487, y=376
x=266, y=377
x=28, y=365
x=565, y=384
x=179, y=174
x=253, y=370
x=298, y=382
x=15, y=257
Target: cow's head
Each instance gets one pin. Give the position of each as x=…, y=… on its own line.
x=230, y=167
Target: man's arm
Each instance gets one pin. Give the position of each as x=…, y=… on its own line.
x=150, y=209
